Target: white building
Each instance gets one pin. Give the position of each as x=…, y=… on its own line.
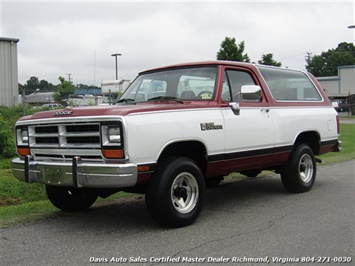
x=340, y=86
x=8, y=72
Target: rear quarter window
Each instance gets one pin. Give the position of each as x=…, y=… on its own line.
x=289, y=85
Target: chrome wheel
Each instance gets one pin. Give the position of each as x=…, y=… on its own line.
x=175, y=193
x=184, y=192
x=299, y=173
x=305, y=168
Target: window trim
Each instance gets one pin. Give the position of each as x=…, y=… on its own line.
x=254, y=77
x=290, y=70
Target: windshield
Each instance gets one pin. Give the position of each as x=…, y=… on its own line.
x=197, y=83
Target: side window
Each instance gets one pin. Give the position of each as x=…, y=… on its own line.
x=233, y=82
x=289, y=85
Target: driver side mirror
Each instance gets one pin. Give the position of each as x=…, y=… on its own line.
x=248, y=93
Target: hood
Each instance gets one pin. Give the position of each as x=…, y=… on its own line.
x=114, y=110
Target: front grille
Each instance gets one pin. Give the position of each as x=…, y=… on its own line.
x=78, y=135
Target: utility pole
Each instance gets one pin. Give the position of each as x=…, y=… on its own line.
x=69, y=78
x=308, y=58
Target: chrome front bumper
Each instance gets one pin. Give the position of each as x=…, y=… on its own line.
x=75, y=173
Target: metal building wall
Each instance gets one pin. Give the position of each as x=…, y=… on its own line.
x=342, y=85
x=8, y=72
x=330, y=85
x=347, y=80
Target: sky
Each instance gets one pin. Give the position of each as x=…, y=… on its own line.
x=76, y=39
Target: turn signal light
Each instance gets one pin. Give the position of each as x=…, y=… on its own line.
x=113, y=154
x=23, y=151
x=143, y=168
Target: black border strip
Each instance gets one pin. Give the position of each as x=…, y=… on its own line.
x=248, y=154
x=328, y=142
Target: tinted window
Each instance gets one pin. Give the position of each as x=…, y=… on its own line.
x=289, y=85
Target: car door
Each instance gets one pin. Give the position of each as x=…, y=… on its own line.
x=249, y=136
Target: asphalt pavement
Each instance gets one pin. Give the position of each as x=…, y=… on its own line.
x=253, y=222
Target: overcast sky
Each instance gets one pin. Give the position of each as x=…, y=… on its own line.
x=58, y=38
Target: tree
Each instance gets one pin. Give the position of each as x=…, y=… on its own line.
x=327, y=63
x=31, y=85
x=267, y=59
x=44, y=85
x=65, y=88
x=231, y=51
x=34, y=84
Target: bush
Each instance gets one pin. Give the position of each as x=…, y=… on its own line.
x=8, y=118
x=7, y=139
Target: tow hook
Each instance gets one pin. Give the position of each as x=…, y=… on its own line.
x=318, y=160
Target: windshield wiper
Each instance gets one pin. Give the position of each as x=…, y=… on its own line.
x=126, y=100
x=167, y=98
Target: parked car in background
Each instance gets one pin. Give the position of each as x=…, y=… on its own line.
x=340, y=105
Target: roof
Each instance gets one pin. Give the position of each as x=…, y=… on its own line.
x=40, y=97
x=201, y=63
x=214, y=62
x=5, y=39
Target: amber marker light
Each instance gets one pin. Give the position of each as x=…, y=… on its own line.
x=143, y=168
x=23, y=151
x=113, y=154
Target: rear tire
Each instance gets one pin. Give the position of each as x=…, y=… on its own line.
x=299, y=173
x=71, y=199
x=175, y=194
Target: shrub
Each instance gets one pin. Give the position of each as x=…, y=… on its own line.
x=7, y=139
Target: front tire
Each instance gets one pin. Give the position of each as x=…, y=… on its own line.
x=71, y=199
x=299, y=173
x=175, y=193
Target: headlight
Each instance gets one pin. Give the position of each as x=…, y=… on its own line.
x=22, y=136
x=112, y=141
x=114, y=135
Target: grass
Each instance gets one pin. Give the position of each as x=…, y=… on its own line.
x=347, y=136
x=14, y=192
x=21, y=202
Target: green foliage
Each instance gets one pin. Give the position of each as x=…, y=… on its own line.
x=65, y=88
x=15, y=192
x=267, y=59
x=7, y=140
x=231, y=51
x=347, y=136
x=8, y=118
x=327, y=63
x=34, y=84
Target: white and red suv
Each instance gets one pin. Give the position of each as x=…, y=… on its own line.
x=176, y=130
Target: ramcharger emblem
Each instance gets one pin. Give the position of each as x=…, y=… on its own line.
x=210, y=126
x=61, y=113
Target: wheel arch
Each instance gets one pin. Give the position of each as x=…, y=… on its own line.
x=192, y=149
x=311, y=138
